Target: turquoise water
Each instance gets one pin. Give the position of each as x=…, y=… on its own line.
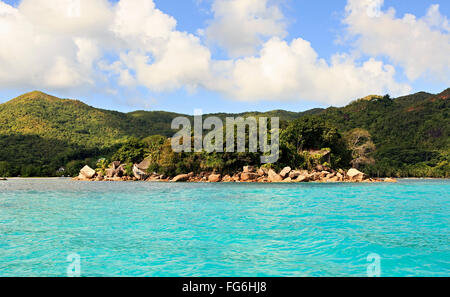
x=161, y=229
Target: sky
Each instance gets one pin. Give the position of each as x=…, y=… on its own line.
x=223, y=55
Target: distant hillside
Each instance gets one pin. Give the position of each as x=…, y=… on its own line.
x=406, y=131
x=39, y=130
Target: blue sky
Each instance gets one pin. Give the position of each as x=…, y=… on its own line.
x=209, y=39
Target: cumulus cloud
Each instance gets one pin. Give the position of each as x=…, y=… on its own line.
x=419, y=45
x=285, y=71
x=240, y=26
x=46, y=44
x=161, y=57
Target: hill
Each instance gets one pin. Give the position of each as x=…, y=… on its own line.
x=40, y=133
x=407, y=131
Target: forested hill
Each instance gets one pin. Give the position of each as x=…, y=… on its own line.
x=40, y=133
x=410, y=130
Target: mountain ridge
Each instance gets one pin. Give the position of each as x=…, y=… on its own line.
x=41, y=130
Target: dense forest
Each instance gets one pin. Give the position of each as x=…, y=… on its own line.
x=41, y=135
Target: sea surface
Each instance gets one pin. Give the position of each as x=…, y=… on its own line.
x=186, y=229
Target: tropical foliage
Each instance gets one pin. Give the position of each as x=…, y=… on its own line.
x=41, y=135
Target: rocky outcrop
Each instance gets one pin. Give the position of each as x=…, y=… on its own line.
x=295, y=173
x=227, y=179
x=355, y=175
x=139, y=173
x=249, y=169
x=182, y=177
x=120, y=171
x=273, y=177
x=302, y=178
x=262, y=172
x=285, y=172
x=215, y=178
x=87, y=172
x=110, y=172
x=390, y=180
x=245, y=177
x=250, y=174
x=144, y=165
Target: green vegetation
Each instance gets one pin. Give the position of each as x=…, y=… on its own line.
x=408, y=136
x=310, y=141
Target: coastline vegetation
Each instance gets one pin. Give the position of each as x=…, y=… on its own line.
x=41, y=135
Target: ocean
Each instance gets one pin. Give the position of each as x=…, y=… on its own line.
x=50, y=226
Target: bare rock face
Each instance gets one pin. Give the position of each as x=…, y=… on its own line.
x=285, y=172
x=154, y=178
x=262, y=179
x=144, y=165
x=115, y=165
x=287, y=180
x=236, y=177
x=110, y=172
x=227, y=179
x=215, y=178
x=355, y=175
x=390, y=180
x=87, y=172
x=331, y=175
x=334, y=179
x=182, y=177
x=315, y=176
x=324, y=174
x=120, y=171
x=249, y=169
x=138, y=173
x=302, y=179
x=294, y=174
x=274, y=177
x=249, y=176
x=261, y=172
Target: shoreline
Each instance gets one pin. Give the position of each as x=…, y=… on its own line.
x=249, y=174
x=168, y=181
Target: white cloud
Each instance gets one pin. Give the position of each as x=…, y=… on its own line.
x=240, y=26
x=420, y=45
x=161, y=57
x=285, y=71
x=141, y=24
x=43, y=44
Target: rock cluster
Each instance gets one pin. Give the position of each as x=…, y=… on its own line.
x=287, y=175
x=115, y=172
x=249, y=174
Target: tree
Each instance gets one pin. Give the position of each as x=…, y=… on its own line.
x=312, y=134
x=5, y=169
x=360, y=143
x=132, y=151
x=102, y=165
